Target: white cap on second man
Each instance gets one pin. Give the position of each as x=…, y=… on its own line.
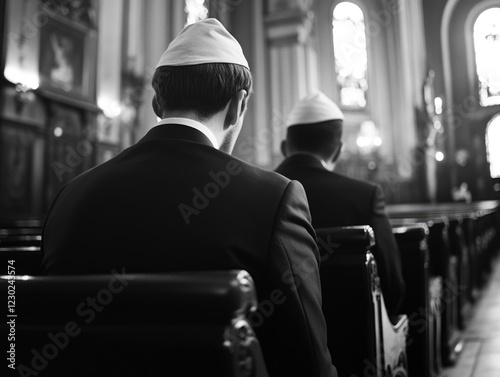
x=203, y=42
x=314, y=108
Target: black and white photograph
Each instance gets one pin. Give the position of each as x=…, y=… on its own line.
x=250, y=188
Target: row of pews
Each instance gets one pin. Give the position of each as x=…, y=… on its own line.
x=175, y=318
x=362, y=339
x=460, y=242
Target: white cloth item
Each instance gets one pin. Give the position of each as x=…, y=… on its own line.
x=193, y=124
x=205, y=41
x=314, y=108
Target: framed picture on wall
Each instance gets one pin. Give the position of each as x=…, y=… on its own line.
x=67, y=58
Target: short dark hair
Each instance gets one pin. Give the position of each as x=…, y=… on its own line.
x=203, y=88
x=315, y=137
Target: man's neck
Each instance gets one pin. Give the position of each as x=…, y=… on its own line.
x=315, y=156
x=214, y=123
x=193, y=124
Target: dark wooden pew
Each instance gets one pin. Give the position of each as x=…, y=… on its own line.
x=473, y=242
x=362, y=339
x=422, y=301
x=21, y=223
x=443, y=264
x=487, y=235
x=485, y=216
x=175, y=324
x=22, y=235
x=460, y=250
x=479, y=223
x=21, y=241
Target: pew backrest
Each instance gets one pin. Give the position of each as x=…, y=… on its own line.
x=185, y=323
x=353, y=306
x=20, y=241
x=422, y=300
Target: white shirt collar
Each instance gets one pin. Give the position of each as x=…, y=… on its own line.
x=193, y=124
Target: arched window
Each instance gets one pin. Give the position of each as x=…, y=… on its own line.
x=493, y=146
x=487, y=49
x=196, y=10
x=351, y=58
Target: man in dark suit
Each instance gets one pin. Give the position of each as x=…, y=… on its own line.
x=177, y=200
x=312, y=146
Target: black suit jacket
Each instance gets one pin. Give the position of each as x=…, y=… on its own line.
x=337, y=200
x=173, y=202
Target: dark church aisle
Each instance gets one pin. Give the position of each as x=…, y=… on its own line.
x=481, y=354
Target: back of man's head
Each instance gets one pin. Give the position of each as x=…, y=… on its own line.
x=204, y=88
x=201, y=70
x=314, y=126
x=317, y=138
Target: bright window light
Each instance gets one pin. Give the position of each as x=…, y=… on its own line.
x=351, y=58
x=493, y=146
x=196, y=10
x=487, y=49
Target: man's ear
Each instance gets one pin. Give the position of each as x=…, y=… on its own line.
x=156, y=107
x=284, y=148
x=236, y=108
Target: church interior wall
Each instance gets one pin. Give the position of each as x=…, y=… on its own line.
x=470, y=132
x=451, y=56
x=56, y=123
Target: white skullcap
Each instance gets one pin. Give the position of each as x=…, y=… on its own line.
x=314, y=108
x=205, y=41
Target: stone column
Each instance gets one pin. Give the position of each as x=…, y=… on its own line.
x=162, y=21
x=292, y=63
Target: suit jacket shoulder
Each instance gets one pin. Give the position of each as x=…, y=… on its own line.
x=337, y=200
x=170, y=204
x=334, y=199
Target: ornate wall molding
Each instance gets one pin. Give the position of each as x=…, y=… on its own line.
x=83, y=12
x=290, y=26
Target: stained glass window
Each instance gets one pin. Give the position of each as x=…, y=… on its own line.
x=493, y=146
x=487, y=49
x=196, y=10
x=349, y=45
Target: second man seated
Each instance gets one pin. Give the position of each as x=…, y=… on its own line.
x=312, y=147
